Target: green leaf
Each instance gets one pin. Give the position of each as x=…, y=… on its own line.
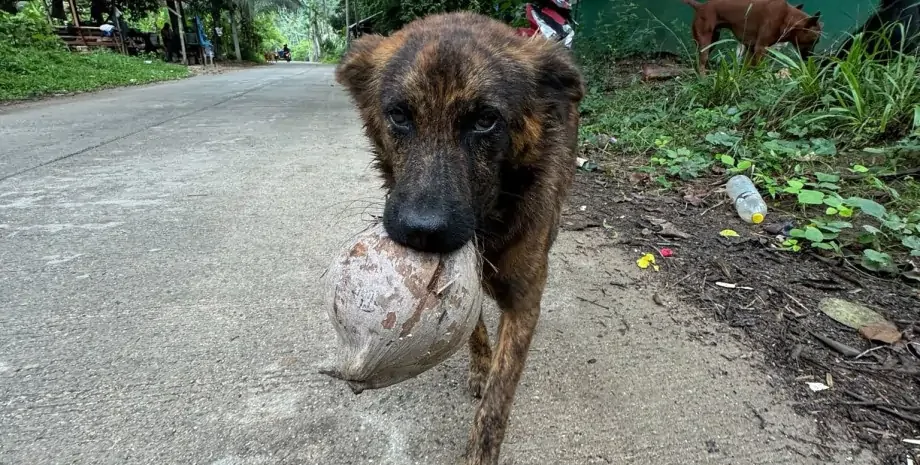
x=869, y=207
x=722, y=138
x=876, y=256
x=794, y=186
x=727, y=160
x=823, y=147
x=912, y=243
x=871, y=229
x=795, y=232
x=836, y=226
x=830, y=211
x=859, y=169
x=824, y=177
x=829, y=186
x=813, y=234
x=833, y=200
x=744, y=165
x=810, y=197
x=845, y=212
x=823, y=245
x=875, y=260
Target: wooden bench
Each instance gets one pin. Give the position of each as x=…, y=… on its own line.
x=88, y=37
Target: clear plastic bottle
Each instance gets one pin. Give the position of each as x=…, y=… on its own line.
x=748, y=202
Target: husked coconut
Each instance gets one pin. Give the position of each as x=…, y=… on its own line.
x=398, y=312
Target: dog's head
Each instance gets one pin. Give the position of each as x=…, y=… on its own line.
x=451, y=103
x=804, y=30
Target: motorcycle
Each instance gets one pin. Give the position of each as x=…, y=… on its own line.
x=284, y=55
x=553, y=20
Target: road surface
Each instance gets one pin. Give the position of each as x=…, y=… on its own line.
x=160, y=249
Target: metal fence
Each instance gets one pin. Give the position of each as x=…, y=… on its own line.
x=626, y=26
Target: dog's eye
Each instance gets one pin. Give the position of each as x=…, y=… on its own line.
x=486, y=122
x=398, y=117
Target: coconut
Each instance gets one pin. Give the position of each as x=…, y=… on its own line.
x=398, y=312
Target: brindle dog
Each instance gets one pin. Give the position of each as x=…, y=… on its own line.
x=474, y=132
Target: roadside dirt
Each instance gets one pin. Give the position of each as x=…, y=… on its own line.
x=874, y=397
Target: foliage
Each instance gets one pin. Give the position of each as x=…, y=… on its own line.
x=266, y=29
x=32, y=72
x=826, y=138
x=27, y=28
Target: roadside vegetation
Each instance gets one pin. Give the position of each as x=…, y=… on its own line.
x=34, y=63
x=833, y=142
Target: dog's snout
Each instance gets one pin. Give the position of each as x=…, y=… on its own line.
x=427, y=228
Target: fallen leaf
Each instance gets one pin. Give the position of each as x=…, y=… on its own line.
x=693, y=199
x=638, y=178
x=728, y=233
x=850, y=314
x=666, y=252
x=646, y=260
x=666, y=228
x=815, y=387
x=882, y=332
x=829, y=379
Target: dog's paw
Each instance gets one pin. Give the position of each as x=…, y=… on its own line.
x=476, y=383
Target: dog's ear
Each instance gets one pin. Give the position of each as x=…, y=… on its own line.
x=558, y=77
x=813, y=20
x=800, y=6
x=357, y=68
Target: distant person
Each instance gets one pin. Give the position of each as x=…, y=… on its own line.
x=166, y=37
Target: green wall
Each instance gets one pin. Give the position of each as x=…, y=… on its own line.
x=663, y=25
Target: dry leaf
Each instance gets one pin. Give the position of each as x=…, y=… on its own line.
x=882, y=332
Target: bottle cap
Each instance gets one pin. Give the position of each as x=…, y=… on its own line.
x=757, y=218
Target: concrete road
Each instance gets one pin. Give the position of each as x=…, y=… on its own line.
x=159, y=254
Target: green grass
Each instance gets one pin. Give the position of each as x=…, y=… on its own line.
x=27, y=72
x=832, y=141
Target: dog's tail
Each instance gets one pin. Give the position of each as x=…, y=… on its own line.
x=695, y=4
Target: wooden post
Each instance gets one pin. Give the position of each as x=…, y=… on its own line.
x=181, y=32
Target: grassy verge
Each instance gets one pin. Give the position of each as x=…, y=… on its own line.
x=833, y=142
x=27, y=72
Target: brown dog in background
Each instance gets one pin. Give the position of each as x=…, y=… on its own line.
x=270, y=57
x=757, y=24
x=474, y=130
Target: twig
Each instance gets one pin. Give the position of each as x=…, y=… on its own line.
x=885, y=407
x=842, y=348
x=801, y=305
x=712, y=207
x=867, y=351
x=591, y=302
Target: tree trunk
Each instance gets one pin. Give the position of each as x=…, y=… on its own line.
x=314, y=33
x=216, y=6
x=236, y=35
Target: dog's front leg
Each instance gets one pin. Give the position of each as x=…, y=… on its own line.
x=519, y=299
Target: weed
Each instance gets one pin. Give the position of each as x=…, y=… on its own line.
x=835, y=139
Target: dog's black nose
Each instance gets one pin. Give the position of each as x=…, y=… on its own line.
x=428, y=230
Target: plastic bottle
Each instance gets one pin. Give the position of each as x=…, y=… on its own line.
x=748, y=202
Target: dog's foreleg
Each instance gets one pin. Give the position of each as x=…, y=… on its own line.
x=519, y=297
x=480, y=358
